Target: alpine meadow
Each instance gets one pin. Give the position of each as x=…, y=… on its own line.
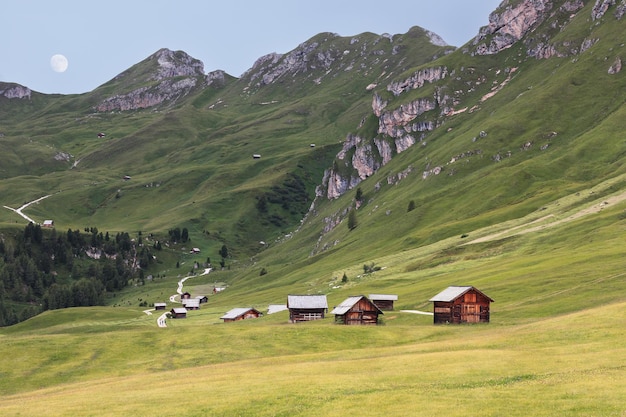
x=371, y=165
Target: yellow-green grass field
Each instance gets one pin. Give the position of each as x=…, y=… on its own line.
x=570, y=365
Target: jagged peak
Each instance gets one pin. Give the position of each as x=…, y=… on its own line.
x=176, y=64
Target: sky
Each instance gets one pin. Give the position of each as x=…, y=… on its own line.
x=101, y=39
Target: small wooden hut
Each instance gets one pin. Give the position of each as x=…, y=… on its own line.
x=191, y=303
x=384, y=301
x=356, y=310
x=306, y=307
x=159, y=306
x=461, y=305
x=203, y=299
x=179, y=313
x=237, y=314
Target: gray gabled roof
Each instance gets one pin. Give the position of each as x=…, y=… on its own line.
x=307, y=301
x=454, y=292
x=236, y=312
x=387, y=297
x=275, y=308
x=191, y=302
x=179, y=310
x=348, y=303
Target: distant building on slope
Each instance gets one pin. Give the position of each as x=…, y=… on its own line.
x=179, y=313
x=461, y=305
x=356, y=310
x=244, y=313
x=306, y=307
x=384, y=301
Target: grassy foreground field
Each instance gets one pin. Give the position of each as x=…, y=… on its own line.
x=558, y=366
x=554, y=347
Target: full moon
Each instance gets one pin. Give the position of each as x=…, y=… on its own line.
x=58, y=63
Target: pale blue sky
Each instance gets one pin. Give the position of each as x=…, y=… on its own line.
x=103, y=38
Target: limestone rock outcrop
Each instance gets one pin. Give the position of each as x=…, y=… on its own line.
x=12, y=91
x=174, y=76
x=507, y=26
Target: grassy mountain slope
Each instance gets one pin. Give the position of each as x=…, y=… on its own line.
x=538, y=228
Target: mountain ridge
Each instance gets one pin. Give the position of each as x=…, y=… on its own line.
x=280, y=155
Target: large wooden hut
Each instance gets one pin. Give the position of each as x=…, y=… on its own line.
x=306, y=307
x=461, y=305
x=384, y=301
x=242, y=313
x=356, y=310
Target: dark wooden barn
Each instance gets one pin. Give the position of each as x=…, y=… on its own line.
x=203, y=299
x=159, y=306
x=306, y=307
x=384, y=301
x=356, y=310
x=237, y=314
x=461, y=305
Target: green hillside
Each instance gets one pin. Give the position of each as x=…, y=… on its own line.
x=518, y=190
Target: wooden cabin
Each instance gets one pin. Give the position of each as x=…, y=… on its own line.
x=191, y=303
x=306, y=307
x=237, y=314
x=185, y=295
x=159, y=306
x=384, y=301
x=179, y=312
x=356, y=310
x=461, y=305
x=203, y=298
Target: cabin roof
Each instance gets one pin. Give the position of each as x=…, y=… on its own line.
x=191, y=302
x=275, y=308
x=307, y=301
x=348, y=303
x=179, y=310
x=388, y=297
x=236, y=312
x=453, y=292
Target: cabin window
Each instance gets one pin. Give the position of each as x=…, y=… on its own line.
x=311, y=316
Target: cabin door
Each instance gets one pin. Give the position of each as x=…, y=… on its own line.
x=471, y=313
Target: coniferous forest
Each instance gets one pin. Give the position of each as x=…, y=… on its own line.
x=48, y=270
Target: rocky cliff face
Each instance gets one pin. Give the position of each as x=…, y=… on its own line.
x=532, y=22
x=513, y=22
x=13, y=91
x=173, y=75
x=327, y=55
x=509, y=24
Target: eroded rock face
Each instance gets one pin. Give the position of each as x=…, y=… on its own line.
x=166, y=91
x=396, y=123
x=169, y=86
x=600, y=8
x=176, y=64
x=417, y=80
x=12, y=91
x=616, y=67
x=509, y=25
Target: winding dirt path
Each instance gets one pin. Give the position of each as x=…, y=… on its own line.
x=161, y=320
x=19, y=210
